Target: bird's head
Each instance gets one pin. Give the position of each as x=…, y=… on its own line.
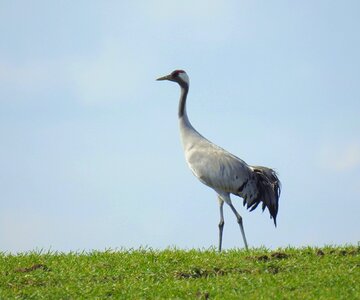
x=178, y=76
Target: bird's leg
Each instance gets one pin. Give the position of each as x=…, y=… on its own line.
x=239, y=220
x=221, y=223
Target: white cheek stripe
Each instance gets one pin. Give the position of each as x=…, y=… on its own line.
x=184, y=77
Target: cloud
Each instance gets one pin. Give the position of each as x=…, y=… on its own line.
x=30, y=77
x=189, y=10
x=130, y=48
x=341, y=157
x=205, y=21
x=113, y=73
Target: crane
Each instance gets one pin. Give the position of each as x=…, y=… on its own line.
x=222, y=171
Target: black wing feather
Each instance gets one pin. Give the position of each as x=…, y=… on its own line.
x=263, y=186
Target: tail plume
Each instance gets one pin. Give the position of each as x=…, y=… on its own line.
x=268, y=189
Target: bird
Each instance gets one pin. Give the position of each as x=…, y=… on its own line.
x=222, y=171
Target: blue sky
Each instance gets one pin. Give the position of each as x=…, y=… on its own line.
x=90, y=156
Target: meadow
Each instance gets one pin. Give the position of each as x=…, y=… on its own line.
x=288, y=273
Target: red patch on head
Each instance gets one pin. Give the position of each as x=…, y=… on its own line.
x=177, y=72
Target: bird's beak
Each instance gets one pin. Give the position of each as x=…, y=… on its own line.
x=167, y=77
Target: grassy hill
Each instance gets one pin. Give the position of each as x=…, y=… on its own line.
x=306, y=273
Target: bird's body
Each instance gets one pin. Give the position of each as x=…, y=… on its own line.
x=211, y=164
x=222, y=171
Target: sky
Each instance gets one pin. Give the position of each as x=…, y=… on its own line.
x=90, y=155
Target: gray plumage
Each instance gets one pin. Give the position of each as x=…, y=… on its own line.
x=222, y=171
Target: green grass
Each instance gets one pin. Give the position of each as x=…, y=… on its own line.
x=306, y=273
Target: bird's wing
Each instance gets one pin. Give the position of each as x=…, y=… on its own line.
x=217, y=168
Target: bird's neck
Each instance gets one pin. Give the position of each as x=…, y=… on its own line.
x=188, y=133
x=182, y=103
x=186, y=129
x=183, y=117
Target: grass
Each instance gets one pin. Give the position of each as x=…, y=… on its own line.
x=305, y=273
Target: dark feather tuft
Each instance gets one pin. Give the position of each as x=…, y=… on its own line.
x=268, y=188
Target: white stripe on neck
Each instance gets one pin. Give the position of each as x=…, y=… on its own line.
x=184, y=77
